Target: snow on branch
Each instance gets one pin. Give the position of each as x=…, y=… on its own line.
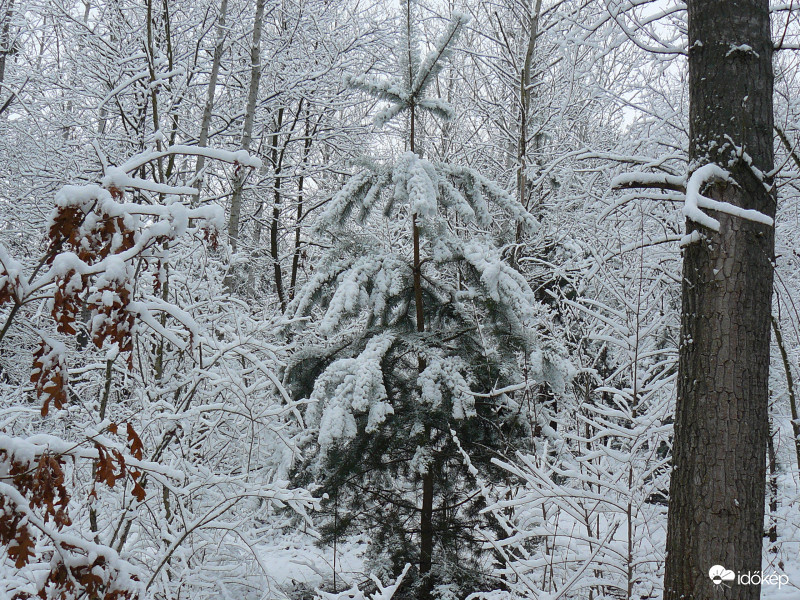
x=30, y=449
x=75, y=551
x=382, y=593
x=695, y=201
x=661, y=181
x=241, y=157
x=382, y=89
x=434, y=62
x=119, y=179
x=407, y=91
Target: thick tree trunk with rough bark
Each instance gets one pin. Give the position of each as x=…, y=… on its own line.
x=717, y=492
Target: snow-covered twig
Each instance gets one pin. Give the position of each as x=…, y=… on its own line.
x=662, y=181
x=382, y=593
x=695, y=201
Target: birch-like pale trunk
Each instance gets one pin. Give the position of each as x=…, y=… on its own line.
x=205, y=122
x=524, y=112
x=247, y=128
x=5, y=38
x=525, y=105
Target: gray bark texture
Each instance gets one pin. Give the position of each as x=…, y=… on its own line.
x=247, y=127
x=5, y=38
x=205, y=123
x=717, y=491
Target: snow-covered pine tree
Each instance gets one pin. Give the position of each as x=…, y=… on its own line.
x=418, y=328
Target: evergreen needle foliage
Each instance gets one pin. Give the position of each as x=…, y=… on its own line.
x=389, y=399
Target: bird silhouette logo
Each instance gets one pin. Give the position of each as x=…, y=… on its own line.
x=718, y=574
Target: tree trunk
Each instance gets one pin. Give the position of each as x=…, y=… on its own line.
x=716, y=510
x=524, y=117
x=524, y=109
x=6, y=46
x=426, y=510
x=787, y=369
x=274, y=226
x=300, y=184
x=247, y=128
x=205, y=123
x=772, y=534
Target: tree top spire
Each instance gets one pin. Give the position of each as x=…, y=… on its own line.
x=407, y=90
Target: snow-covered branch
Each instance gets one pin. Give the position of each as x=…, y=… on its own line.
x=695, y=201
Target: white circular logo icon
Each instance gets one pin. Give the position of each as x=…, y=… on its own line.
x=718, y=574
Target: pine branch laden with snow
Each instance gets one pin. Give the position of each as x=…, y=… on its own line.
x=413, y=185
x=417, y=74
x=351, y=386
x=380, y=389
